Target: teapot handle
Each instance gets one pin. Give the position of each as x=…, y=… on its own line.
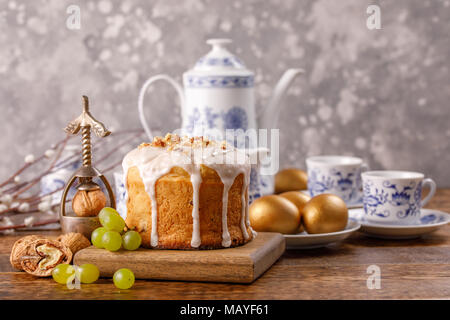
x=147, y=83
x=268, y=117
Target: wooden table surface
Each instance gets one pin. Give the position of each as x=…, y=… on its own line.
x=410, y=269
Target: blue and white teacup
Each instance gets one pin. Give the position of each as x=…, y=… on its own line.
x=339, y=175
x=395, y=197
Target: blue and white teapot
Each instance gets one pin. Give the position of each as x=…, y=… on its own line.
x=218, y=95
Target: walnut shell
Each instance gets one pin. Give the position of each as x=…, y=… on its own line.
x=19, y=249
x=75, y=241
x=88, y=203
x=43, y=255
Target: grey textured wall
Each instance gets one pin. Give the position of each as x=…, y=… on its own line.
x=381, y=94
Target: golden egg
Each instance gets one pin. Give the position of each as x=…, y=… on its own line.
x=274, y=214
x=325, y=213
x=296, y=197
x=291, y=180
x=299, y=199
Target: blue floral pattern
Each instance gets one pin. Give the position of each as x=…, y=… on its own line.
x=432, y=218
x=344, y=184
x=254, y=188
x=202, y=120
x=231, y=61
x=210, y=117
x=193, y=81
x=194, y=120
x=371, y=200
x=121, y=194
x=235, y=118
x=205, y=118
x=58, y=177
x=50, y=185
x=392, y=199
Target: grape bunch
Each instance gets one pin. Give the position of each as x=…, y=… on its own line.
x=109, y=235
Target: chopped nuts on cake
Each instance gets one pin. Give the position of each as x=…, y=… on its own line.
x=172, y=141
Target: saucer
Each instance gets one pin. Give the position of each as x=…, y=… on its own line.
x=310, y=241
x=430, y=221
x=358, y=204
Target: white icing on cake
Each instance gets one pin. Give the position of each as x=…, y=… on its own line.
x=196, y=180
x=244, y=208
x=153, y=162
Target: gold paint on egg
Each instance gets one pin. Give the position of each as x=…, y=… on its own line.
x=291, y=180
x=325, y=213
x=296, y=197
x=299, y=199
x=273, y=213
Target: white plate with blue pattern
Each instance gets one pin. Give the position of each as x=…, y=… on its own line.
x=311, y=241
x=358, y=204
x=430, y=221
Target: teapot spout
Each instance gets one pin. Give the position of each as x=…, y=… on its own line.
x=269, y=116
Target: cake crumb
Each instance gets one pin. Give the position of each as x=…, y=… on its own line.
x=173, y=141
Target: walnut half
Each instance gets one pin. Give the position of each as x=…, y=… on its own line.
x=19, y=249
x=43, y=255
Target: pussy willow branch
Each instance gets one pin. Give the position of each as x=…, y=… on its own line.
x=35, y=199
x=75, y=157
x=66, y=162
x=26, y=166
x=104, y=157
x=49, y=193
x=52, y=164
x=120, y=145
x=37, y=224
x=62, y=164
x=15, y=187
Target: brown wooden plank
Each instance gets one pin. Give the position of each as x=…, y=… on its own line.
x=439, y=238
x=7, y=241
x=241, y=264
x=413, y=281
x=346, y=255
x=410, y=269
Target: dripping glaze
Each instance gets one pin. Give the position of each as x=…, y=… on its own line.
x=154, y=162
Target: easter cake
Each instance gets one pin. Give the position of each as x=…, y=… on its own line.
x=188, y=193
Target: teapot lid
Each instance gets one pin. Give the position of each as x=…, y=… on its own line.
x=219, y=61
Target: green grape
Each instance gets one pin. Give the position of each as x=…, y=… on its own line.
x=87, y=273
x=96, y=237
x=131, y=240
x=123, y=278
x=111, y=220
x=63, y=272
x=112, y=240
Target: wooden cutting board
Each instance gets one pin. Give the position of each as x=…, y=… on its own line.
x=241, y=264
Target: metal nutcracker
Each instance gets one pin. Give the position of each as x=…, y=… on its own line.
x=85, y=122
